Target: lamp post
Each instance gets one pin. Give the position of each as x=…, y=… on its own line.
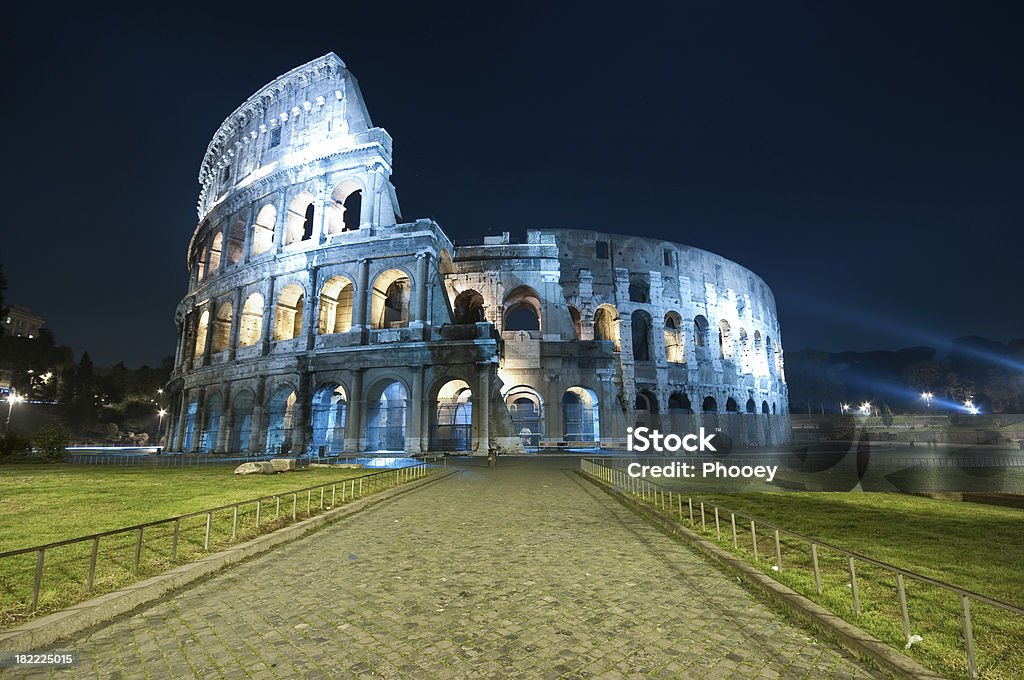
x=12, y=399
x=160, y=425
x=927, y=396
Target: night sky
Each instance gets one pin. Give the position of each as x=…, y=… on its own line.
x=866, y=160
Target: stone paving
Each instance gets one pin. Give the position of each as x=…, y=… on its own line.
x=523, y=571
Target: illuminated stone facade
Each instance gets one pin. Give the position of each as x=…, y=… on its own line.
x=318, y=320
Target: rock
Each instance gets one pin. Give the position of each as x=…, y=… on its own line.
x=260, y=468
x=283, y=464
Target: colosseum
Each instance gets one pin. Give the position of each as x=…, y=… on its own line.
x=319, y=320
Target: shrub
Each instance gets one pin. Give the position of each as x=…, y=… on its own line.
x=51, y=443
x=13, y=445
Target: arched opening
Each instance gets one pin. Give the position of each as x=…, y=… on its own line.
x=453, y=418
x=280, y=422
x=769, y=355
x=731, y=406
x=190, y=425
x=263, y=229
x=580, y=415
x=299, y=220
x=215, y=251
x=252, y=321
x=385, y=428
x=335, y=306
x=744, y=351
x=725, y=340
x=680, y=413
x=710, y=413
x=236, y=241
x=469, y=307
x=577, y=321
x=764, y=407
x=343, y=212
x=222, y=327
x=525, y=407
x=700, y=333
x=522, y=310
x=641, y=326
x=200, y=265
x=202, y=328
x=288, y=312
x=645, y=407
x=751, y=406
x=758, y=349
x=211, y=424
x=639, y=289
x=241, y=422
x=674, y=352
x=606, y=325
x=390, y=304
x=328, y=420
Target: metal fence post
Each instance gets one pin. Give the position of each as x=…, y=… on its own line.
x=904, y=612
x=295, y=505
x=753, y=538
x=277, y=509
x=309, y=502
x=703, y=524
x=853, y=588
x=718, y=528
x=817, y=572
x=209, y=521
x=138, y=552
x=38, y=582
x=234, y=524
x=972, y=669
x=322, y=490
x=92, y=562
x=259, y=503
x=732, y=518
x=174, y=541
x=690, y=502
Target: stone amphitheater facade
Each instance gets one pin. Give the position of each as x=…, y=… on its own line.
x=318, y=320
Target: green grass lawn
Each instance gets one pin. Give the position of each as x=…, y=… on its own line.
x=976, y=547
x=47, y=503
x=42, y=504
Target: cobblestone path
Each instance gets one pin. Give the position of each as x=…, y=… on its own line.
x=524, y=571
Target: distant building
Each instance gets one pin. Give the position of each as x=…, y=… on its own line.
x=21, y=322
x=317, y=320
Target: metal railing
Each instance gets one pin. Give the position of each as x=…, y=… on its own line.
x=672, y=502
x=146, y=549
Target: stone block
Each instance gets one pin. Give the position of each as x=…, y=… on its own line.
x=283, y=464
x=260, y=468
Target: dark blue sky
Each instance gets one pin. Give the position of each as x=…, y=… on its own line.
x=864, y=158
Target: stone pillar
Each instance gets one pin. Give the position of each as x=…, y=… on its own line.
x=236, y=322
x=370, y=207
x=200, y=422
x=221, y=445
x=179, y=439
x=354, y=418
x=360, y=299
x=309, y=322
x=419, y=302
x=266, y=329
x=301, y=426
x=483, y=370
x=418, y=426
x=247, y=233
x=258, y=430
x=282, y=223
x=320, y=217
x=553, y=424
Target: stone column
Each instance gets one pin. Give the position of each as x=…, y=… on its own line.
x=266, y=329
x=419, y=302
x=258, y=429
x=418, y=426
x=282, y=223
x=370, y=207
x=309, y=322
x=301, y=417
x=200, y=422
x=236, y=322
x=360, y=299
x=553, y=428
x=221, y=445
x=484, y=401
x=354, y=418
x=210, y=329
x=179, y=439
x=247, y=233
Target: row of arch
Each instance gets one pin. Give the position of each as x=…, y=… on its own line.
x=342, y=212
x=389, y=308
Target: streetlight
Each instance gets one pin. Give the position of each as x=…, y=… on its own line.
x=12, y=399
x=971, y=408
x=927, y=396
x=160, y=426
x=844, y=408
x=865, y=408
